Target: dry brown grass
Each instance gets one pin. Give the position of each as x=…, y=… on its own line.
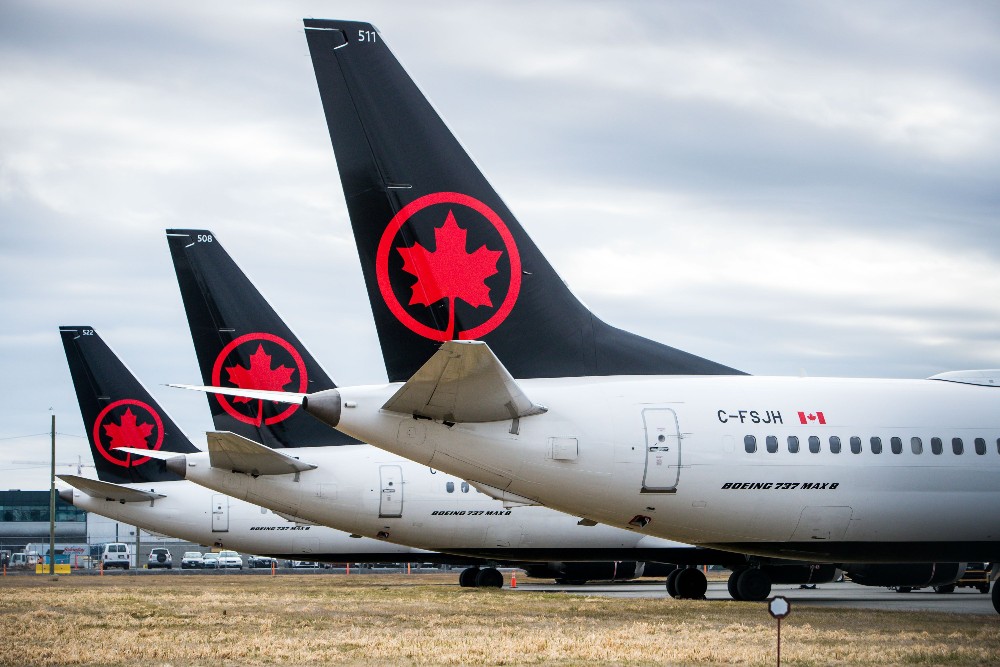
x=394, y=619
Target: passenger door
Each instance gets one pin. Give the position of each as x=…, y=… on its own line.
x=391, y=501
x=663, y=451
x=220, y=513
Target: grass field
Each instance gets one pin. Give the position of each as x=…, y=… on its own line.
x=396, y=619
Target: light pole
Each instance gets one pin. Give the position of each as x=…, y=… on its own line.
x=52, y=504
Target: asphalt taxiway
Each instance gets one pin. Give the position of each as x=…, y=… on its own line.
x=841, y=595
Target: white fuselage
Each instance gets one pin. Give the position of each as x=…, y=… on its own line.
x=199, y=515
x=367, y=491
x=667, y=456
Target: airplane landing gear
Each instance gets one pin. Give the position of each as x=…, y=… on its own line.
x=489, y=577
x=474, y=577
x=687, y=584
x=467, y=579
x=751, y=585
x=996, y=597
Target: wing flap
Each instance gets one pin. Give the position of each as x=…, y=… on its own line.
x=463, y=382
x=230, y=451
x=108, y=491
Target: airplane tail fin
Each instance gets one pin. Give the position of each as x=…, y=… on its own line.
x=118, y=412
x=443, y=257
x=241, y=342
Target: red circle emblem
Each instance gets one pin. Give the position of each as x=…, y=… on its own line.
x=452, y=273
x=135, y=425
x=260, y=372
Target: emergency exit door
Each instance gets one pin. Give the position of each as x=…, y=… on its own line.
x=663, y=451
x=220, y=513
x=391, y=501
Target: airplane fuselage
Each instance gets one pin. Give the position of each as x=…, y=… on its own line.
x=673, y=457
x=363, y=490
x=199, y=515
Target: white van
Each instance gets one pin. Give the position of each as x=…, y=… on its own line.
x=115, y=554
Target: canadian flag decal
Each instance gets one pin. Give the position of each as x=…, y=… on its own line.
x=812, y=418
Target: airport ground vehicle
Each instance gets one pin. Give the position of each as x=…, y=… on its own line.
x=976, y=575
x=191, y=560
x=160, y=557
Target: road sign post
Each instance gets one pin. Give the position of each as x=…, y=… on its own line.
x=779, y=607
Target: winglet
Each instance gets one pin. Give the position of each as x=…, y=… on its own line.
x=230, y=451
x=108, y=491
x=463, y=382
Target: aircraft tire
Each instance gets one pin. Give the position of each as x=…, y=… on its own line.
x=996, y=597
x=489, y=577
x=947, y=588
x=672, y=582
x=734, y=579
x=691, y=584
x=753, y=585
x=467, y=579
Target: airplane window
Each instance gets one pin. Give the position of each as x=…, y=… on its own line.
x=465, y=487
x=855, y=444
x=772, y=444
x=876, y=445
x=814, y=444
x=980, y=446
x=956, y=446
x=793, y=444
x=750, y=444
x=834, y=444
x=450, y=487
x=917, y=445
x=896, y=444
x=936, y=446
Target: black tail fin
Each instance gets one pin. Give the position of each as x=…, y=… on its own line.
x=118, y=412
x=443, y=257
x=241, y=342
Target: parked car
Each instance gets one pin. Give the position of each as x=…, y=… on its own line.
x=160, y=557
x=230, y=559
x=191, y=560
x=210, y=561
x=261, y=561
x=116, y=554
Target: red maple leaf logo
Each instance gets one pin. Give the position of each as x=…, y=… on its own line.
x=260, y=375
x=450, y=272
x=128, y=433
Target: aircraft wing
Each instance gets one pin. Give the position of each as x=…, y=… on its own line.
x=230, y=451
x=463, y=382
x=108, y=491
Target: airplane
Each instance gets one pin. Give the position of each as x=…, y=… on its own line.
x=118, y=411
x=603, y=424
x=241, y=341
x=224, y=306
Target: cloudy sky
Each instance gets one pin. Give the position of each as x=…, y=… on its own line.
x=786, y=188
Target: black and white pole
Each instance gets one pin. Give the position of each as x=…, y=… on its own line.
x=779, y=607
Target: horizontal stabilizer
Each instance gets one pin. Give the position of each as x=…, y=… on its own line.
x=157, y=454
x=463, y=382
x=506, y=497
x=229, y=451
x=295, y=519
x=109, y=491
x=986, y=378
x=260, y=394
